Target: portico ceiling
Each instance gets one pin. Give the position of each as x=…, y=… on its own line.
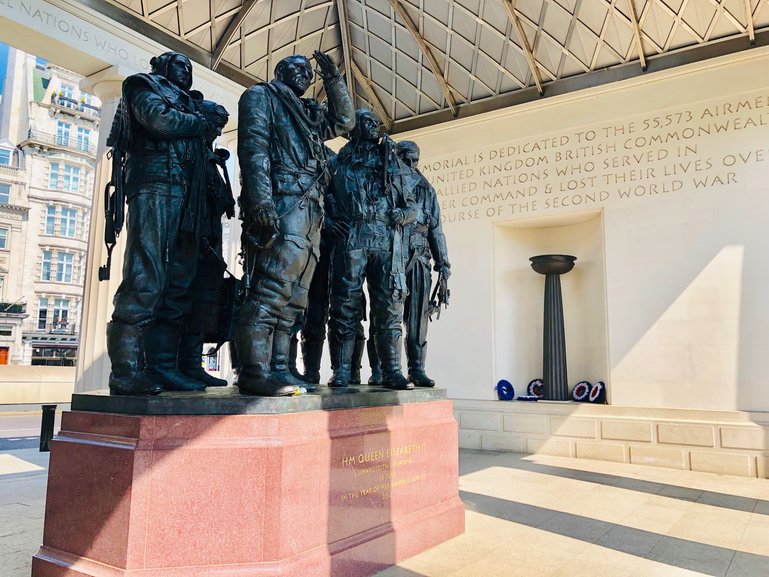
x=421, y=62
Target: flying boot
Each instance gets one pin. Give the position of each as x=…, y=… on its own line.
x=375, y=380
x=279, y=363
x=357, y=357
x=190, y=355
x=415, y=353
x=312, y=353
x=341, y=360
x=161, y=351
x=254, y=346
x=388, y=346
x=126, y=352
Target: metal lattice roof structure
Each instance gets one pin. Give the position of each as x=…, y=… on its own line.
x=421, y=62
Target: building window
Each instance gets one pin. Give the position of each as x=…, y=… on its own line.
x=67, y=91
x=3, y=242
x=64, y=177
x=6, y=330
x=54, y=356
x=60, y=314
x=62, y=133
x=68, y=222
x=83, y=138
x=64, y=266
x=5, y=193
x=50, y=220
x=59, y=317
x=45, y=271
x=5, y=157
x=42, y=313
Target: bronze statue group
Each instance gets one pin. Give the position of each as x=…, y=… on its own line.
x=315, y=226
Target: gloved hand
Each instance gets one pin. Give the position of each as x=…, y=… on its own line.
x=443, y=270
x=327, y=67
x=397, y=216
x=265, y=216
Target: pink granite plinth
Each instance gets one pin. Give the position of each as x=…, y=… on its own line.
x=342, y=493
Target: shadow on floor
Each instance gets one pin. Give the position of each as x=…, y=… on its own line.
x=682, y=553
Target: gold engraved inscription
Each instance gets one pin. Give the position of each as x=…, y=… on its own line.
x=382, y=465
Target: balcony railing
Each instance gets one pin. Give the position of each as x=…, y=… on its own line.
x=72, y=104
x=13, y=308
x=57, y=328
x=9, y=170
x=60, y=140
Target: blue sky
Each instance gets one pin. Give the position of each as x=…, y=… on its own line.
x=4, y=64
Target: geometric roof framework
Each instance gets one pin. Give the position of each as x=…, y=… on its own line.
x=419, y=62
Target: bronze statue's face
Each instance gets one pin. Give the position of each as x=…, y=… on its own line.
x=296, y=73
x=409, y=156
x=179, y=72
x=369, y=128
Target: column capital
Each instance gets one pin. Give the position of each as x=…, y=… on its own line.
x=106, y=84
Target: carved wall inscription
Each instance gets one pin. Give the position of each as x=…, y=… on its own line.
x=706, y=145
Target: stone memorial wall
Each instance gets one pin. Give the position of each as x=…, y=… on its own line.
x=707, y=145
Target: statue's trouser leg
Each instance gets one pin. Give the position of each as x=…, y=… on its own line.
x=278, y=293
x=255, y=326
x=316, y=316
x=386, y=318
x=205, y=310
x=348, y=271
x=162, y=338
x=149, y=279
x=416, y=320
x=304, y=263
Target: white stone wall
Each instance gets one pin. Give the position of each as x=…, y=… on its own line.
x=727, y=442
x=658, y=186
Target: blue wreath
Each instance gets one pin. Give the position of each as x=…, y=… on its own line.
x=536, y=388
x=581, y=391
x=598, y=393
x=505, y=390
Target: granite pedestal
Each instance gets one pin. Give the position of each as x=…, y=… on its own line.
x=340, y=484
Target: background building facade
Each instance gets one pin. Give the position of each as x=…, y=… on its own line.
x=48, y=134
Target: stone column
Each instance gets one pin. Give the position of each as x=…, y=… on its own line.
x=554, y=377
x=93, y=364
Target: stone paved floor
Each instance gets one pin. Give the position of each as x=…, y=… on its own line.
x=527, y=516
x=23, y=470
x=537, y=516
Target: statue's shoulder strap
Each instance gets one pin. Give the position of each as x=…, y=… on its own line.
x=155, y=83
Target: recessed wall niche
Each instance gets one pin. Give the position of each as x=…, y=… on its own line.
x=519, y=297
